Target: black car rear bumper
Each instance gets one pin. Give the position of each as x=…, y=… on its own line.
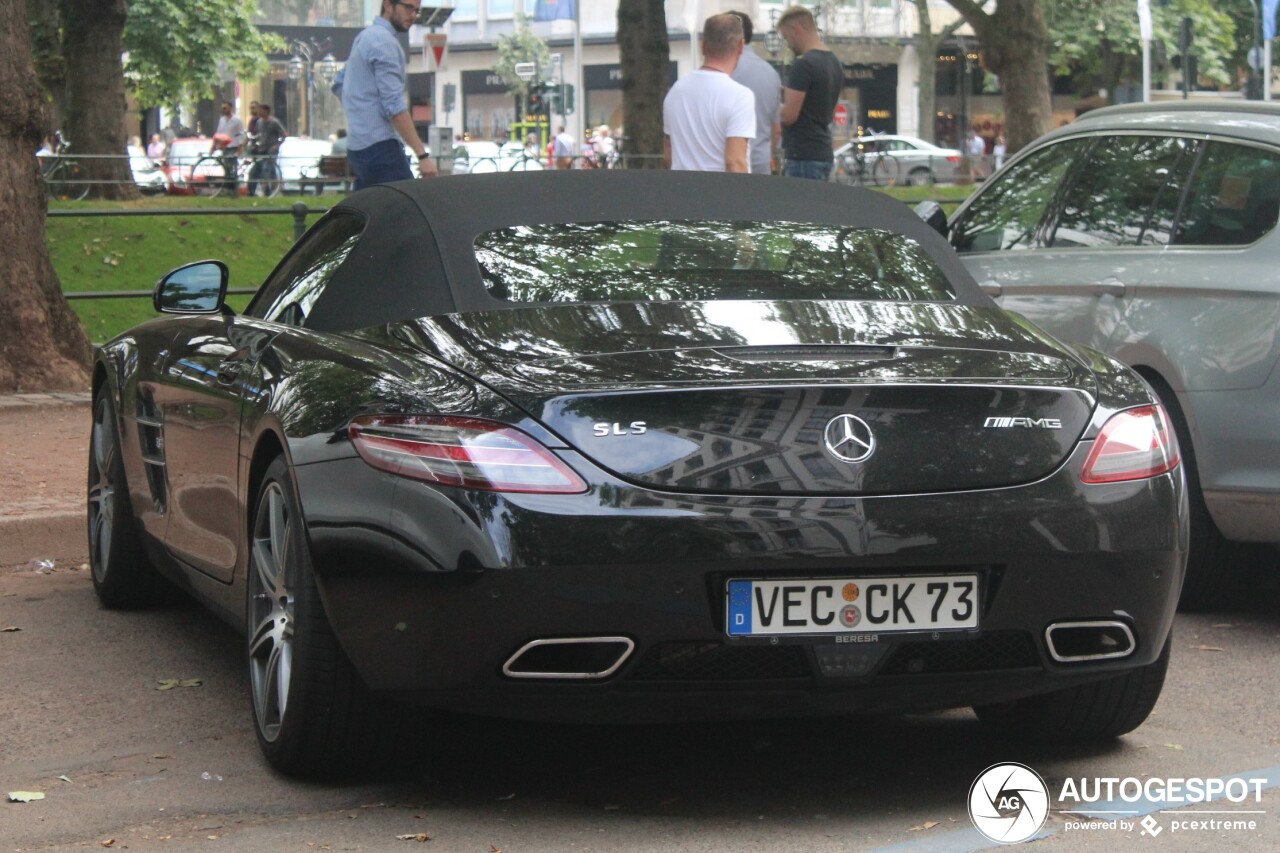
x=431, y=601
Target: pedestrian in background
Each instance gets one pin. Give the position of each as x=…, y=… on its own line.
x=563, y=148
x=809, y=97
x=266, y=145
x=764, y=82
x=372, y=88
x=976, y=147
x=155, y=148
x=708, y=119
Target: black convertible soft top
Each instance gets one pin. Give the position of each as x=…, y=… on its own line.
x=416, y=255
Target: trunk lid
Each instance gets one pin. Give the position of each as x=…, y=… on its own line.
x=785, y=398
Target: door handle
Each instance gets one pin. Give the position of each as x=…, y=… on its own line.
x=992, y=288
x=1111, y=286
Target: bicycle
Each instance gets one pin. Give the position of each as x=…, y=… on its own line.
x=213, y=175
x=211, y=178
x=859, y=167
x=64, y=179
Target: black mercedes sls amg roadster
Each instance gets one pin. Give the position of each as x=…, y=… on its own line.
x=636, y=446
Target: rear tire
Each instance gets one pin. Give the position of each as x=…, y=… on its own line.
x=313, y=715
x=920, y=178
x=884, y=171
x=67, y=182
x=122, y=575
x=1096, y=711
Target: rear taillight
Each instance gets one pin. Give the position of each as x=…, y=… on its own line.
x=1133, y=445
x=953, y=159
x=467, y=452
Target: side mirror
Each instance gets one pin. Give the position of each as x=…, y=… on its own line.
x=199, y=288
x=932, y=214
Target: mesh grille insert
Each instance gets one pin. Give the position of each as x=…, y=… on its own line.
x=708, y=661
x=998, y=650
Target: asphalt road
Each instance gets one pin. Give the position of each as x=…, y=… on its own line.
x=82, y=720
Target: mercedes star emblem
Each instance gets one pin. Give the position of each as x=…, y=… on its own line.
x=849, y=439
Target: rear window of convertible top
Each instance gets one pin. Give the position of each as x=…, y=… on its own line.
x=678, y=261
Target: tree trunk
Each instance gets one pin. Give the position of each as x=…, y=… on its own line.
x=1015, y=45
x=46, y=54
x=645, y=54
x=42, y=345
x=927, y=61
x=92, y=42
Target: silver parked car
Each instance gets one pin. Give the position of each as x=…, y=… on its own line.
x=1149, y=232
x=888, y=159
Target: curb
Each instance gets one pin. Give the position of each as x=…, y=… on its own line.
x=57, y=536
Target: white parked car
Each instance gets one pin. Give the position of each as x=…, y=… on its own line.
x=299, y=158
x=146, y=174
x=479, y=156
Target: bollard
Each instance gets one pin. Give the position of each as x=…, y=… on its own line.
x=300, y=212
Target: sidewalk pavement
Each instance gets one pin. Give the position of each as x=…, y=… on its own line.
x=42, y=509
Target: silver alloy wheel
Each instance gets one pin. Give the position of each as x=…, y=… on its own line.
x=271, y=614
x=102, y=491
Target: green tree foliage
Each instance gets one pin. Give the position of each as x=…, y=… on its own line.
x=521, y=45
x=179, y=53
x=1098, y=40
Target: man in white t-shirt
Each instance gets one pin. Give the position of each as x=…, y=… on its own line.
x=708, y=119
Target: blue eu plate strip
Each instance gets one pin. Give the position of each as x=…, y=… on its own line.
x=739, y=607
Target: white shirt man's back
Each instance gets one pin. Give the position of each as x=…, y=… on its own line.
x=701, y=112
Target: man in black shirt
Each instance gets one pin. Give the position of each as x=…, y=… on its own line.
x=265, y=146
x=809, y=97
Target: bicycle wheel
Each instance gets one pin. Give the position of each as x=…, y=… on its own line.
x=209, y=177
x=67, y=182
x=884, y=171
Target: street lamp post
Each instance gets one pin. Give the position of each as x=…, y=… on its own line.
x=304, y=67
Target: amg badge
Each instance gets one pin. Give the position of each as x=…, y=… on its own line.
x=1025, y=423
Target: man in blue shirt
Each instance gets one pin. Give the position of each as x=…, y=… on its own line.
x=372, y=88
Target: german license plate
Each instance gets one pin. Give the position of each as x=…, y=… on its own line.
x=851, y=605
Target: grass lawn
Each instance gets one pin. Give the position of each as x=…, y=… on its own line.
x=132, y=253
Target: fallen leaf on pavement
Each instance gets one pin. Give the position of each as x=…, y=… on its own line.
x=10, y=630
x=1209, y=648
x=420, y=837
x=65, y=778
x=25, y=796
x=1177, y=746
x=170, y=683
x=107, y=842
x=928, y=824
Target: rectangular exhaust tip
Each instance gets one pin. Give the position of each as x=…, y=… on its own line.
x=1073, y=642
x=569, y=657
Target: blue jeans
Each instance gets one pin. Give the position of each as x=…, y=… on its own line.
x=380, y=163
x=816, y=170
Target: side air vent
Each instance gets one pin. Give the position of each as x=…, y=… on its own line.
x=151, y=436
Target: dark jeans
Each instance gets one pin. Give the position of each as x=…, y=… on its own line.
x=380, y=163
x=817, y=170
x=261, y=162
